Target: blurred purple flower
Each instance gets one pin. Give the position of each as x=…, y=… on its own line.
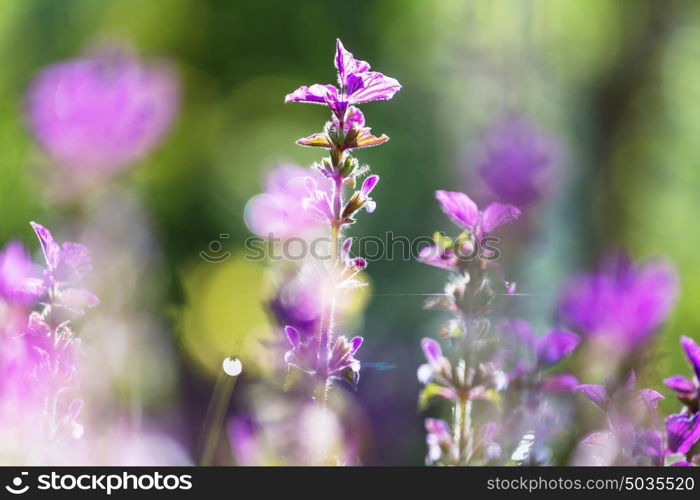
x=102, y=113
x=530, y=355
x=15, y=269
x=517, y=160
x=616, y=396
x=463, y=211
x=323, y=361
x=66, y=265
x=682, y=432
x=621, y=304
x=357, y=85
x=688, y=390
x=297, y=303
x=280, y=211
x=437, y=438
x=436, y=369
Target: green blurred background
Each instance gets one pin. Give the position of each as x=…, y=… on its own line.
x=617, y=82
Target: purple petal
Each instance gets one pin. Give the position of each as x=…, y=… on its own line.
x=354, y=117
x=431, y=349
x=355, y=344
x=32, y=287
x=680, y=384
x=497, y=215
x=347, y=244
x=48, y=245
x=682, y=431
x=650, y=398
x=435, y=255
x=681, y=463
x=357, y=264
x=371, y=86
x=346, y=64
x=315, y=94
x=15, y=270
x=459, y=207
x=369, y=184
x=293, y=336
x=596, y=393
x=692, y=352
x=556, y=345
x=438, y=427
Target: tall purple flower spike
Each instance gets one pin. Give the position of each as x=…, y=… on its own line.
x=463, y=211
x=688, y=389
x=621, y=304
x=100, y=114
x=357, y=84
x=66, y=265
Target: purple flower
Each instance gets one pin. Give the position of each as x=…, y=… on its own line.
x=357, y=85
x=280, y=210
x=621, y=304
x=102, y=113
x=688, y=390
x=15, y=269
x=682, y=432
x=336, y=362
x=518, y=158
x=66, y=265
x=463, y=211
x=438, y=368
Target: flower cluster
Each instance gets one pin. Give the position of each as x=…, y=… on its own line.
x=40, y=383
x=318, y=354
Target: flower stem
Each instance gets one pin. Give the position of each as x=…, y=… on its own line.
x=213, y=421
x=463, y=430
x=328, y=318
